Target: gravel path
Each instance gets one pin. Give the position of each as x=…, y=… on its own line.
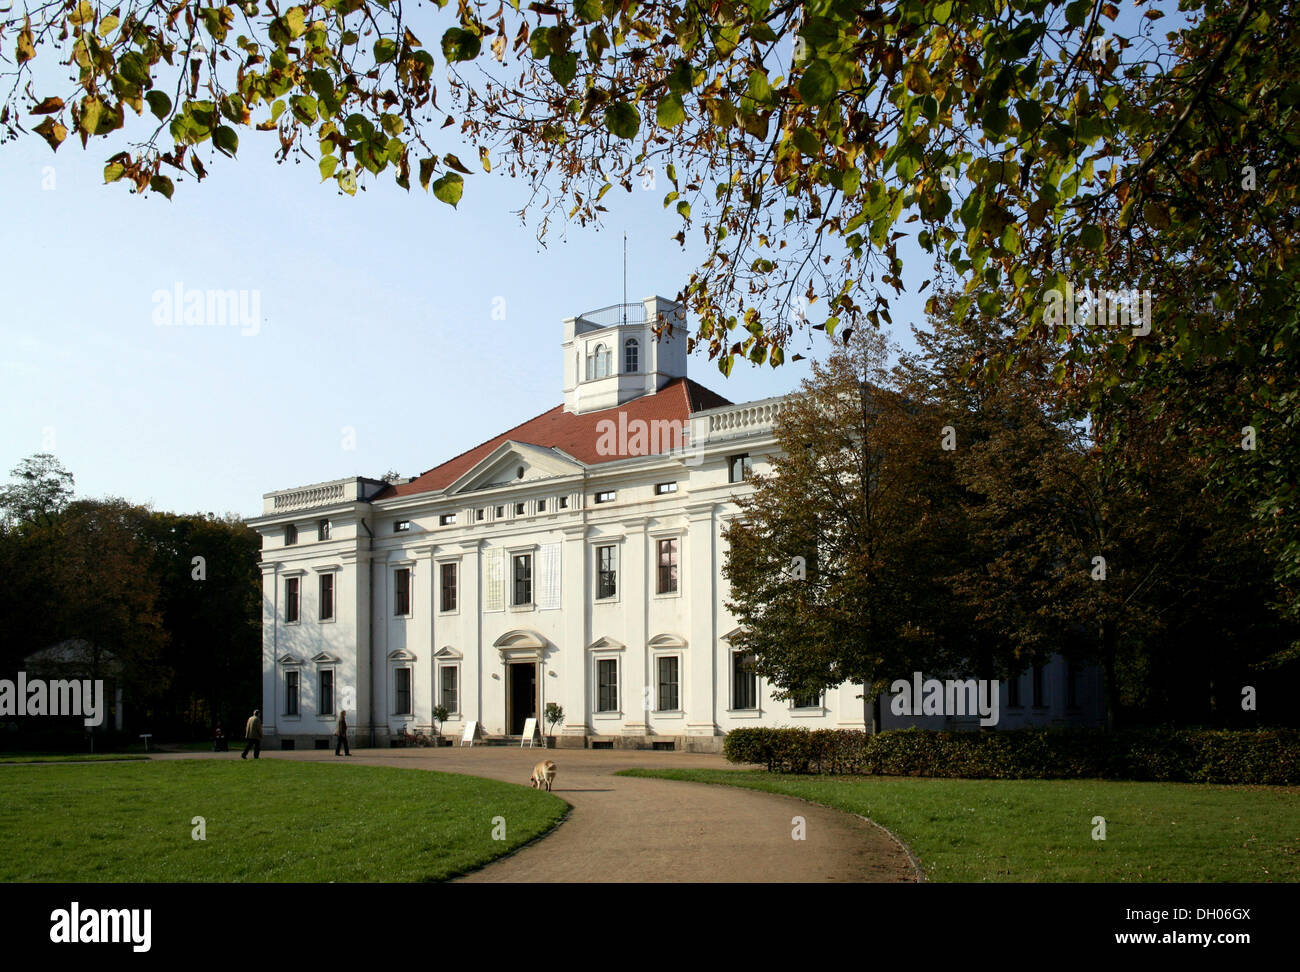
x=624, y=829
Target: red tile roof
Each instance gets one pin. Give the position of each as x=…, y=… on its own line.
x=573, y=434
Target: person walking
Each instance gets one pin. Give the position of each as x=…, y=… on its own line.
x=253, y=735
x=343, y=734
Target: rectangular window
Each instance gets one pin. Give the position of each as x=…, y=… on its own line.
x=323, y=530
x=326, y=597
x=290, y=535
x=669, y=684
x=291, y=600
x=663, y=488
x=523, y=579
x=739, y=468
x=447, y=519
x=291, y=693
x=607, y=685
x=402, y=591
x=1013, y=691
x=401, y=526
x=450, y=688
x=606, y=572
x=667, y=567
x=448, y=587
x=564, y=502
x=402, y=694
x=541, y=506
x=519, y=509
x=501, y=511
x=808, y=700
x=1038, y=686
x=478, y=514
x=326, y=692
x=606, y=496
x=744, y=691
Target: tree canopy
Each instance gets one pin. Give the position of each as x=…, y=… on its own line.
x=1033, y=152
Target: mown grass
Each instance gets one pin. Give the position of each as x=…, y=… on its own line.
x=65, y=757
x=1042, y=830
x=265, y=820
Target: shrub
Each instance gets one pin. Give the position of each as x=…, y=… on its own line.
x=1266, y=756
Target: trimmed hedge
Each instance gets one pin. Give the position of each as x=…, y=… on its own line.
x=1267, y=756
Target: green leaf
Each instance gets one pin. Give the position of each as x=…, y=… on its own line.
x=449, y=188
x=564, y=67
x=295, y=20
x=160, y=183
x=588, y=11
x=539, y=42
x=1030, y=113
x=623, y=120
x=942, y=11
x=225, y=140
x=385, y=50
x=460, y=45
x=684, y=208
x=114, y=171
x=347, y=180
x=159, y=103
x=1091, y=238
x=817, y=84
x=671, y=112
x=327, y=166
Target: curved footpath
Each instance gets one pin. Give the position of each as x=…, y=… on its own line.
x=625, y=829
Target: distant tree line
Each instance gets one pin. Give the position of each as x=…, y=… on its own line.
x=166, y=606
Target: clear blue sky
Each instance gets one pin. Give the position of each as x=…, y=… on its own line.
x=376, y=315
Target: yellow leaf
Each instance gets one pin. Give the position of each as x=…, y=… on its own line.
x=26, y=42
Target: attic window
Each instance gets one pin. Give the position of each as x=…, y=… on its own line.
x=447, y=519
x=478, y=514
x=606, y=496
x=519, y=509
x=519, y=473
x=401, y=526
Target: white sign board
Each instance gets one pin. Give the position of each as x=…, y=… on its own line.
x=471, y=731
x=530, y=733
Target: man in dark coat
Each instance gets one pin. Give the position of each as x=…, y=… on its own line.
x=343, y=734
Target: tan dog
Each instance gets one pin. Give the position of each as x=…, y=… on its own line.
x=543, y=774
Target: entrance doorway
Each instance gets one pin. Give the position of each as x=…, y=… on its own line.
x=521, y=695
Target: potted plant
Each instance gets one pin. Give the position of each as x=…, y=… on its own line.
x=440, y=715
x=554, y=713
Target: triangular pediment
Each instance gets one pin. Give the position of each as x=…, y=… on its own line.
x=504, y=464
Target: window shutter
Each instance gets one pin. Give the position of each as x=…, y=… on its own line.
x=548, y=590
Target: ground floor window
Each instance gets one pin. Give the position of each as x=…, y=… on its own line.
x=744, y=682
x=607, y=685
x=669, y=683
x=291, y=693
x=808, y=700
x=402, y=691
x=327, y=692
x=449, y=680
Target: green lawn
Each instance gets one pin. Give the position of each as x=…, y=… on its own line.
x=64, y=757
x=1041, y=830
x=266, y=820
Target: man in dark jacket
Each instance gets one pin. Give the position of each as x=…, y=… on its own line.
x=253, y=735
x=343, y=734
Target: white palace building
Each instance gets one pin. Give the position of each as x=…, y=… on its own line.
x=575, y=558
